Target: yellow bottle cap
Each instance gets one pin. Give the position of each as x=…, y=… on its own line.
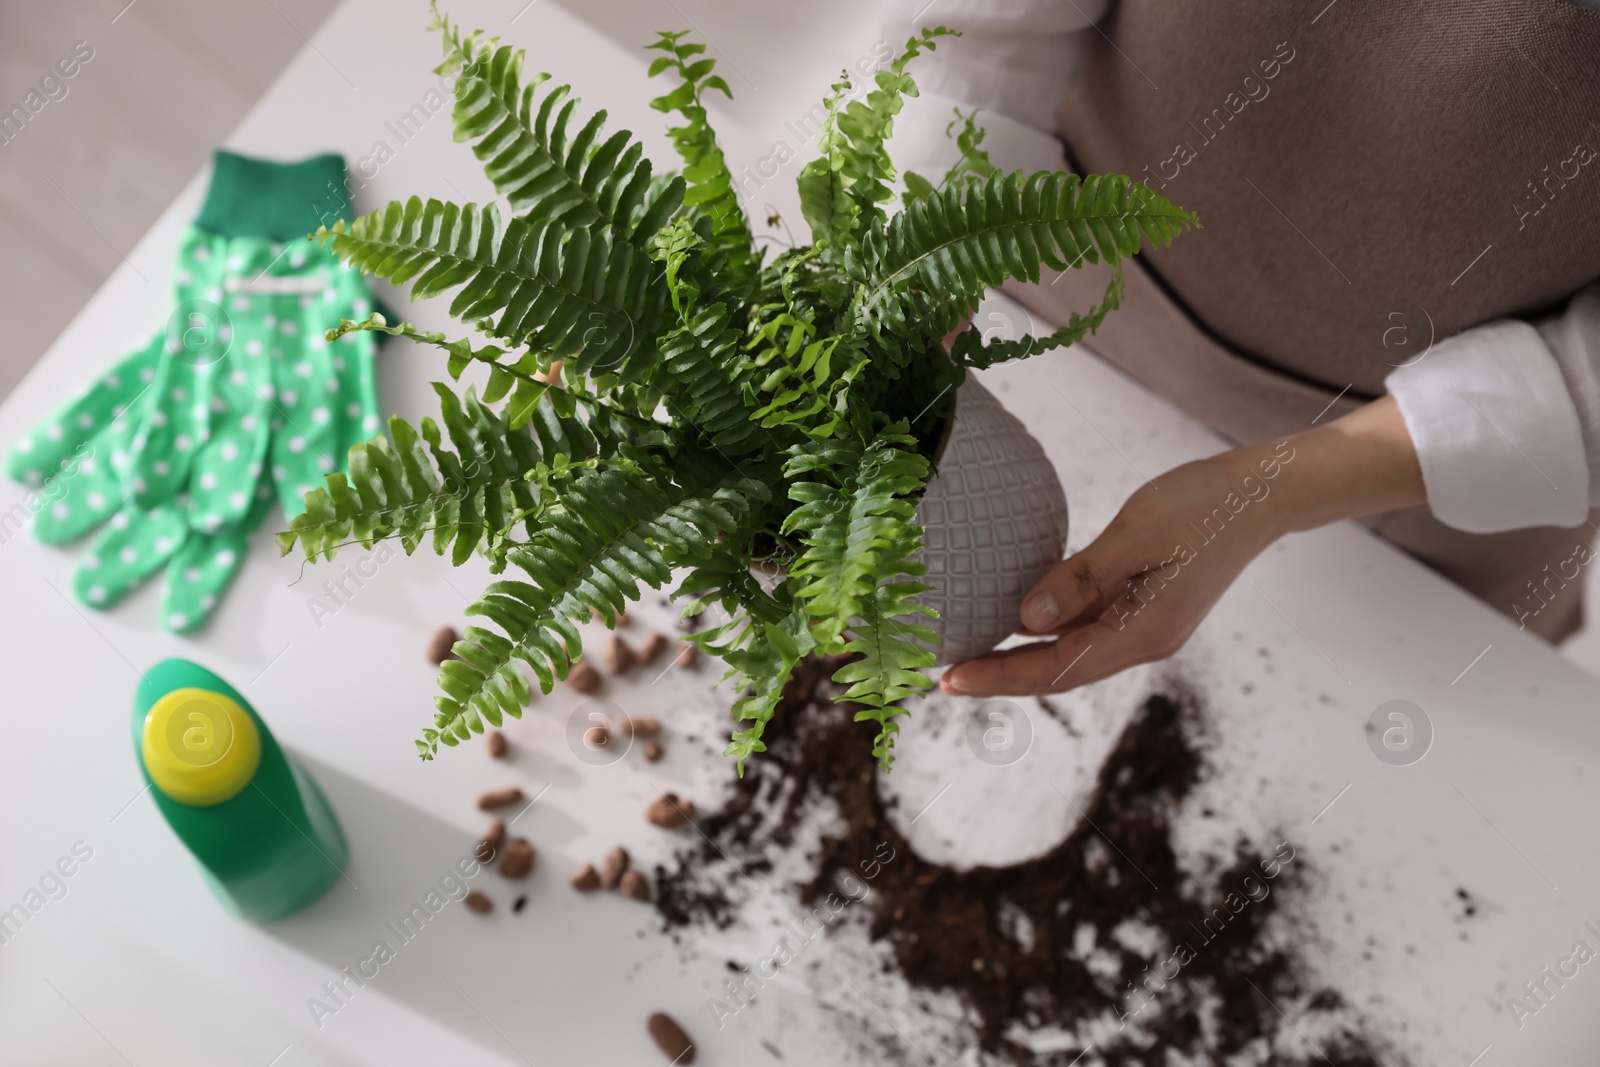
x=200, y=747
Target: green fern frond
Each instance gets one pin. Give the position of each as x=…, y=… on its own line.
x=823, y=184
x=712, y=385
x=973, y=161
x=762, y=666
x=517, y=377
x=895, y=654
x=469, y=493
x=868, y=125
x=934, y=260
x=972, y=351
x=570, y=294
x=856, y=572
x=534, y=158
x=710, y=190
x=801, y=378
x=610, y=531
x=856, y=517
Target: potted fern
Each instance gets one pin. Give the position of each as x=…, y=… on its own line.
x=722, y=413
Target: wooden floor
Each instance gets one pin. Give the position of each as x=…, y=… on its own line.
x=85, y=177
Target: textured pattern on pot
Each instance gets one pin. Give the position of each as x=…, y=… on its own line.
x=994, y=521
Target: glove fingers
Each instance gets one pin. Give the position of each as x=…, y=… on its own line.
x=205, y=566
x=164, y=446
x=307, y=445
x=80, y=497
x=133, y=547
x=198, y=337
x=228, y=468
x=352, y=363
x=352, y=358
x=40, y=454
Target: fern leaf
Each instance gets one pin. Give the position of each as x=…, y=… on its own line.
x=710, y=185
x=970, y=350
x=856, y=518
x=712, y=387
x=533, y=156
x=823, y=184
x=569, y=294
x=973, y=160
x=611, y=530
x=857, y=573
x=762, y=667
x=519, y=377
x=868, y=125
x=894, y=652
x=468, y=493
x=934, y=260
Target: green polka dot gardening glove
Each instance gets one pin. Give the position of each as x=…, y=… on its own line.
x=180, y=449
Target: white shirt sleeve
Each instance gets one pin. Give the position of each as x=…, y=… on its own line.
x=1497, y=430
x=1573, y=338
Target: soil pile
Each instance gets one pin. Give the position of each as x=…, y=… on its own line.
x=1101, y=951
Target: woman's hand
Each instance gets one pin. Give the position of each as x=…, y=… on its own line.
x=1139, y=590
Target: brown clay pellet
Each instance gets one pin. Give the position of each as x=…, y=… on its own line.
x=497, y=743
x=669, y=811
x=653, y=752
x=499, y=798
x=439, y=644
x=596, y=737
x=619, y=657
x=479, y=903
x=633, y=885
x=518, y=862
x=613, y=867
x=492, y=841
x=688, y=655
x=623, y=620
x=584, y=678
x=671, y=1039
x=586, y=879
x=653, y=646
x=642, y=725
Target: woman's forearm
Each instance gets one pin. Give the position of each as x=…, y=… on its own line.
x=1357, y=465
x=1138, y=591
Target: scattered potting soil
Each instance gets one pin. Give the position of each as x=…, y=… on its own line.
x=1104, y=943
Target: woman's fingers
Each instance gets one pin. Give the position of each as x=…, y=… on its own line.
x=1080, y=656
x=1074, y=588
x=1081, y=587
x=1123, y=635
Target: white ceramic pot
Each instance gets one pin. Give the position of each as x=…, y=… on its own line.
x=994, y=520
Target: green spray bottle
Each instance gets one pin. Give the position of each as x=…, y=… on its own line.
x=266, y=840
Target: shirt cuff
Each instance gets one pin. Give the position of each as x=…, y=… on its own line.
x=1496, y=431
x=1574, y=339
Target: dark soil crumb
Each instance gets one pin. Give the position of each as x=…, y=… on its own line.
x=1118, y=940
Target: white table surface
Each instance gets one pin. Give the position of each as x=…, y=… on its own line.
x=137, y=964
